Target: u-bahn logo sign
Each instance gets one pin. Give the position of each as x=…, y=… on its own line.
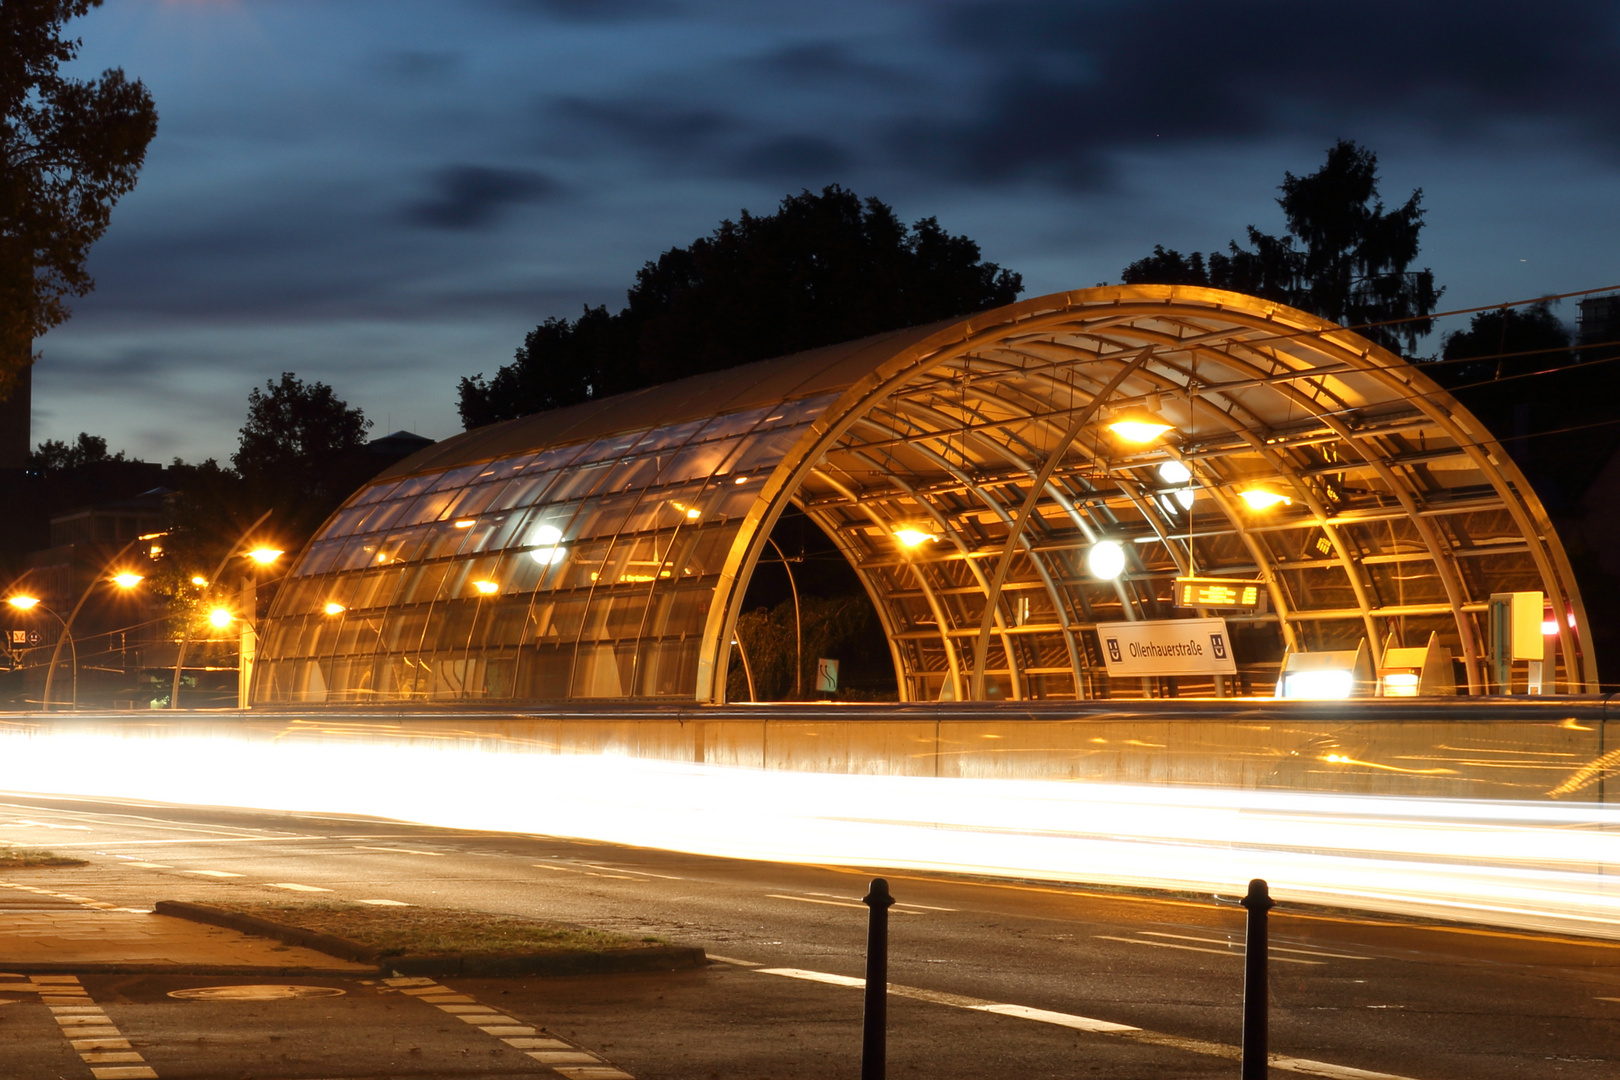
x=1167, y=647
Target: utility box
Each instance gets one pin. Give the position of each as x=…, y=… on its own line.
x=1416, y=672
x=1515, y=628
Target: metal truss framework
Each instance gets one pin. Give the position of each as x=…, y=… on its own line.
x=986, y=434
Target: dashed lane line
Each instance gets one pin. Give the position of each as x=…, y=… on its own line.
x=559, y=1055
x=1239, y=945
x=896, y=910
x=398, y=850
x=1304, y=1066
x=293, y=886
x=213, y=873
x=89, y=1030
x=1195, y=948
x=82, y=901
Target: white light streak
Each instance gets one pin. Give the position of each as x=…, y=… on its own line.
x=1535, y=865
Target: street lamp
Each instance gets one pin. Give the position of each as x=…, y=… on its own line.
x=124, y=579
x=264, y=556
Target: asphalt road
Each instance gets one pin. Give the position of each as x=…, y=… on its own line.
x=988, y=978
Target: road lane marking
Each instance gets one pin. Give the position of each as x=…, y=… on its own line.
x=1239, y=945
x=643, y=873
x=148, y=865
x=834, y=903
x=1195, y=948
x=750, y=963
x=384, y=903
x=577, y=870
x=1305, y=1066
x=399, y=850
x=897, y=903
x=89, y=1030
x=295, y=887
x=213, y=873
x=566, y=1059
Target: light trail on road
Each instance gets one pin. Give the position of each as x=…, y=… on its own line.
x=1543, y=866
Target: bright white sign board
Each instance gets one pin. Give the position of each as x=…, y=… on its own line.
x=1167, y=647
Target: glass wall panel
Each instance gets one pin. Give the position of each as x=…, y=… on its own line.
x=583, y=570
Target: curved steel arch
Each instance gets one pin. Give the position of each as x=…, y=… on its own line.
x=618, y=537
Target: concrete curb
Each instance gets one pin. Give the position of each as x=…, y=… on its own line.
x=68, y=967
x=583, y=962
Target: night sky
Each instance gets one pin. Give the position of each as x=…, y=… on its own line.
x=386, y=194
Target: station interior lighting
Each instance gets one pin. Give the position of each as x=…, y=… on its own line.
x=334, y=608
x=549, y=549
x=911, y=537
x=22, y=602
x=464, y=523
x=127, y=580
x=1174, y=472
x=1139, y=425
x=1105, y=560
x=264, y=556
x=1264, y=498
x=485, y=588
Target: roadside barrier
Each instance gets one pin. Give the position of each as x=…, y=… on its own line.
x=1256, y=947
x=874, y=1021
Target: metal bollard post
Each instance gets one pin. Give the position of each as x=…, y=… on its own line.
x=874, y=1025
x=1258, y=902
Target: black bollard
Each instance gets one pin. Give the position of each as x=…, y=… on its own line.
x=1258, y=902
x=874, y=1026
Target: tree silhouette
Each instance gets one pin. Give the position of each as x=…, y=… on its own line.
x=300, y=450
x=69, y=149
x=822, y=269
x=1344, y=257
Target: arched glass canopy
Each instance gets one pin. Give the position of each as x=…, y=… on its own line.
x=966, y=470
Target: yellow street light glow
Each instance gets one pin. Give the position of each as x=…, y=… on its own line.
x=691, y=512
x=198, y=579
x=1260, y=498
x=913, y=537
x=221, y=618
x=127, y=580
x=265, y=556
x=740, y=480
x=23, y=602
x=464, y=523
x=334, y=608
x=694, y=513
x=1139, y=425
x=486, y=587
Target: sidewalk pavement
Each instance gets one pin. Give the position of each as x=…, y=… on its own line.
x=44, y=931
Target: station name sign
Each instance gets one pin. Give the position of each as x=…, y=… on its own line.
x=1214, y=592
x=1167, y=647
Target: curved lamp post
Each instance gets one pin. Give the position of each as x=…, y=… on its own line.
x=31, y=603
x=125, y=580
x=261, y=555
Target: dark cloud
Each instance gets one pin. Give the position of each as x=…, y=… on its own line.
x=822, y=63
x=473, y=196
x=1070, y=84
x=418, y=66
x=598, y=11
x=655, y=125
x=795, y=159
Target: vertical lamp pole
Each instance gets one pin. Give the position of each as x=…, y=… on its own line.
x=874, y=1024
x=1258, y=902
x=185, y=641
x=798, y=625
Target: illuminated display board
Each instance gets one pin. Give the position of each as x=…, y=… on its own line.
x=1208, y=592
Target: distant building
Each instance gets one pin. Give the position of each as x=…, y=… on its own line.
x=398, y=446
x=1599, y=321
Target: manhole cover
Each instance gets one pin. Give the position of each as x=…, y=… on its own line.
x=260, y=992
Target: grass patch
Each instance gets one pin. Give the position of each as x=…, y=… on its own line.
x=415, y=931
x=15, y=858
